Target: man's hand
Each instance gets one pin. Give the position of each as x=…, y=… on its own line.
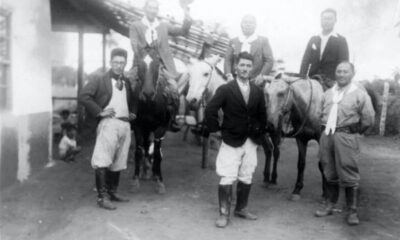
x=259, y=81
x=106, y=113
x=132, y=116
x=229, y=76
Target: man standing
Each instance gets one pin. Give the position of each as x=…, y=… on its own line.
x=347, y=111
x=257, y=46
x=243, y=125
x=149, y=40
x=325, y=51
x=108, y=98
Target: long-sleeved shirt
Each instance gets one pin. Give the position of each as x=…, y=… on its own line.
x=355, y=107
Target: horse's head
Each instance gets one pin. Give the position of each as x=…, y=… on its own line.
x=149, y=74
x=201, y=75
x=276, y=92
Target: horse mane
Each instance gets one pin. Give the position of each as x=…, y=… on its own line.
x=221, y=73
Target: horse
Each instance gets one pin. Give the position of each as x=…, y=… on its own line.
x=152, y=120
x=294, y=109
x=204, y=79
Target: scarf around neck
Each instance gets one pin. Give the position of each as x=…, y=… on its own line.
x=246, y=42
x=151, y=32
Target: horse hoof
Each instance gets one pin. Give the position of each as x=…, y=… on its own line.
x=161, y=188
x=295, y=197
x=135, y=185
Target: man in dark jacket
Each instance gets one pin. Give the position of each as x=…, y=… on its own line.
x=242, y=127
x=325, y=51
x=108, y=98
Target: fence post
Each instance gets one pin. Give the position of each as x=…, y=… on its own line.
x=384, y=108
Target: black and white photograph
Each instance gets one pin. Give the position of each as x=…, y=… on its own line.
x=199, y=119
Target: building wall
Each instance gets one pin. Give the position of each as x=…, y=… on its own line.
x=25, y=128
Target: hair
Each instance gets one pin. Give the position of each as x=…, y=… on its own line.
x=245, y=55
x=350, y=64
x=329, y=10
x=147, y=2
x=119, y=52
x=69, y=127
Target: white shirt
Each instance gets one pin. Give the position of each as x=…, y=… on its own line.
x=324, y=41
x=65, y=144
x=118, y=100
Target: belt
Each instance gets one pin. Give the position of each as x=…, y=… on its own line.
x=124, y=119
x=345, y=129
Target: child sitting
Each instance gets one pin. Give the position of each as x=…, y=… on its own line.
x=67, y=149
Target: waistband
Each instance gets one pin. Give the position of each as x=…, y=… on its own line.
x=345, y=129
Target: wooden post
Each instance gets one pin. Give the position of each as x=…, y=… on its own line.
x=384, y=108
x=80, y=109
x=104, y=50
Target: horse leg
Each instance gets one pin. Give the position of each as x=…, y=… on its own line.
x=157, y=166
x=276, y=153
x=146, y=163
x=301, y=164
x=324, y=193
x=267, y=147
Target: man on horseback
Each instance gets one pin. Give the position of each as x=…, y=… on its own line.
x=325, y=51
x=243, y=125
x=347, y=111
x=108, y=99
x=257, y=46
x=149, y=40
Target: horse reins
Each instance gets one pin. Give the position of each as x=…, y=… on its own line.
x=285, y=108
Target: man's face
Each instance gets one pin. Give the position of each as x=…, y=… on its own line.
x=248, y=25
x=243, y=68
x=118, y=64
x=328, y=21
x=151, y=10
x=71, y=134
x=344, y=74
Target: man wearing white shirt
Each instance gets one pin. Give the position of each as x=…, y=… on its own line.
x=325, y=50
x=251, y=42
x=347, y=111
x=108, y=98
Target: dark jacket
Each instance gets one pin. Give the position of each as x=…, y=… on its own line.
x=96, y=95
x=137, y=34
x=261, y=51
x=240, y=121
x=336, y=51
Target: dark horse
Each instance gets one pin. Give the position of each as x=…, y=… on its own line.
x=152, y=120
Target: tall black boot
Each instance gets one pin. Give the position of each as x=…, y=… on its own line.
x=242, y=198
x=225, y=199
x=332, y=191
x=352, y=202
x=112, y=183
x=101, y=185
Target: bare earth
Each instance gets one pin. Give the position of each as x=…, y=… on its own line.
x=59, y=203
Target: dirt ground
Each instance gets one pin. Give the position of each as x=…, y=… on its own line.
x=59, y=203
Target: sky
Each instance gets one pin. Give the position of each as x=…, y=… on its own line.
x=368, y=25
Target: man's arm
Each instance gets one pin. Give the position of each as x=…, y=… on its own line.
x=86, y=97
x=367, y=113
x=267, y=57
x=306, y=59
x=134, y=37
x=211, y=111
x=180, y=31
x=228, y=63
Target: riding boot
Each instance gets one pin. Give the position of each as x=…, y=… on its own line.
x=352, y=201
x=332, y=190
x=224, y=198
x=112, y=183
x=242, y=198
x=101, y=186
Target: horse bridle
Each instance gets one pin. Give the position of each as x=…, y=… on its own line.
x=286, y=108
x=203, y=94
